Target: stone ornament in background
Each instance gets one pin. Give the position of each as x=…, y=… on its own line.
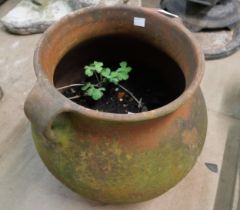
x=35, y=16
x=2, y=1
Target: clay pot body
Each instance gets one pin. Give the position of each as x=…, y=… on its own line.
x=117, y=158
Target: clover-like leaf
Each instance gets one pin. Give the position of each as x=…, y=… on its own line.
x=98, y=93
x=90, y=90
x=86, y=86
x=123, y=75
x=95, y=67
x=98, y=66
x=128, y=69
x=114, y=81
x=89, y=71
x=114, y=77
x=106, y=72
x=124, y=66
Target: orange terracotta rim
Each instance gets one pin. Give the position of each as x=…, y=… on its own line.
x=162, y=111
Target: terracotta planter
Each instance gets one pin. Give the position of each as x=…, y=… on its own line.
x=117, y=158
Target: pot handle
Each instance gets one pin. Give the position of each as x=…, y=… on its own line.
x=42, y=106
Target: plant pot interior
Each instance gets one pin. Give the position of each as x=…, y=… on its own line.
x=155, y=78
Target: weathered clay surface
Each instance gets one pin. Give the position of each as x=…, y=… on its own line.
x=35, y=16
x=117, y=168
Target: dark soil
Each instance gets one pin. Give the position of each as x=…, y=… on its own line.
x=115, y=100
x=155, y=79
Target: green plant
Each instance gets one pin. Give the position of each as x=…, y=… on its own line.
x=93, y=91
x=104, y=75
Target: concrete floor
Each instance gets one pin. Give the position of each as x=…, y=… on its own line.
x=26, y=184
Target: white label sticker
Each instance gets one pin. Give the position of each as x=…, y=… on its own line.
x=138, y=21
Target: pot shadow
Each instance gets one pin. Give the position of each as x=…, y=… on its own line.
x=66, y=194
x=228, y=192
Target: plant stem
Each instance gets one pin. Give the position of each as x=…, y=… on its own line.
x=74, y=97
x=99, y=84
x=139, y=102
x=70, y=86
x=97, y=77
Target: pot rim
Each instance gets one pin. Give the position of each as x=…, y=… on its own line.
x=70, y=106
